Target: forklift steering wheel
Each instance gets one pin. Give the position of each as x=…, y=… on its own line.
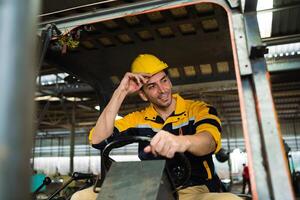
x=178, y=167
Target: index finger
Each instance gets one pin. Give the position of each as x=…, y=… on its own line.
x=155, y=139
x=146, y=75
x=141, y=78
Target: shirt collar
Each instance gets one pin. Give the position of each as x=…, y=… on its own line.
x=180, y=104
x=180, y=108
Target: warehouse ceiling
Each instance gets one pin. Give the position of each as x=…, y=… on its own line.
x=194, y=40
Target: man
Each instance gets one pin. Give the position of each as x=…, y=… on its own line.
x=176, y=125
x=246, y=179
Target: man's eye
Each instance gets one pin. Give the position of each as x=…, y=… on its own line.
x=164, y=80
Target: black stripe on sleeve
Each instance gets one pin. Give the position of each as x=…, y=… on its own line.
x=211, y=122
x=212, y=111
x=102, y=144
x=116, y=131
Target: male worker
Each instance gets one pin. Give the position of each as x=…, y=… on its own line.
x=176, y=125
x=246, y=179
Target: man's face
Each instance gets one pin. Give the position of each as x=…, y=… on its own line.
x=158, y=90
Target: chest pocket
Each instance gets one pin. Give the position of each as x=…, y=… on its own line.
x=184, y=128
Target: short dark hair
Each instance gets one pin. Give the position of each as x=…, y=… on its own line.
x=164, y=70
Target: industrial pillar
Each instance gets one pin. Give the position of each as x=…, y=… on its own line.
x=72, y=138
x=268, y=167
x=17, y=81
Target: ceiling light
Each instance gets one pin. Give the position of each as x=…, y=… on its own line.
x=145, y=35
x=210, y=24
x=105, y=41
x=132, y=20
x=187, y=28
x=265, y=19
x=125, y=38
x=205, y=69
x=46, y=98
x=189, y=70
x=86, y=123
x=165, y=32
x=42, y=98
x=179, y=12
x=173, y=72
x=77, y=99
x=264, y=4
x=97, y=107
x=110, y=24
x=222, y=67
x=285, y=49
x=155, y=16
x=204, y=8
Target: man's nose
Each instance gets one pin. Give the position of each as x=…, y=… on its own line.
x=161, y=88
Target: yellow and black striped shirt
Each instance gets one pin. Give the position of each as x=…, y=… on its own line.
x=190, y=117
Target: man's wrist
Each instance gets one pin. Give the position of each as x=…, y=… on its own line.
x=120, y=92
x=186, y=142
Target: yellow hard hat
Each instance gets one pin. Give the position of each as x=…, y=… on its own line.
x=147, y=63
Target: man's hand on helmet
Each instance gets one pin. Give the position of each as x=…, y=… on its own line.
x=133, y=82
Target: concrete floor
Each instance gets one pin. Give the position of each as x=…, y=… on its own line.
x=237, y=189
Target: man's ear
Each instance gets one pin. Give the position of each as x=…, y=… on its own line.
x=142, y=95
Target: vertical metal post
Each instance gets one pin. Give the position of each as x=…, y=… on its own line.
x=59, y=147
x=278, y=174
x=17, y=70
x=41, y=145
x=62, y=147
x=259, y=181
x=228, y=129
x=228, y=132
x=235, y=137
x=295, y=133
x=33, y=151
x=72, y=139
x=268, y=167
x=51, y=146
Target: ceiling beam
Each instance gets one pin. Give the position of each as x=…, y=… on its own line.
x=70, y=22
x=270, y=41
x=283, y=65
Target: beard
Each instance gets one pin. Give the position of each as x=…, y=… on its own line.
x=162, y=101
